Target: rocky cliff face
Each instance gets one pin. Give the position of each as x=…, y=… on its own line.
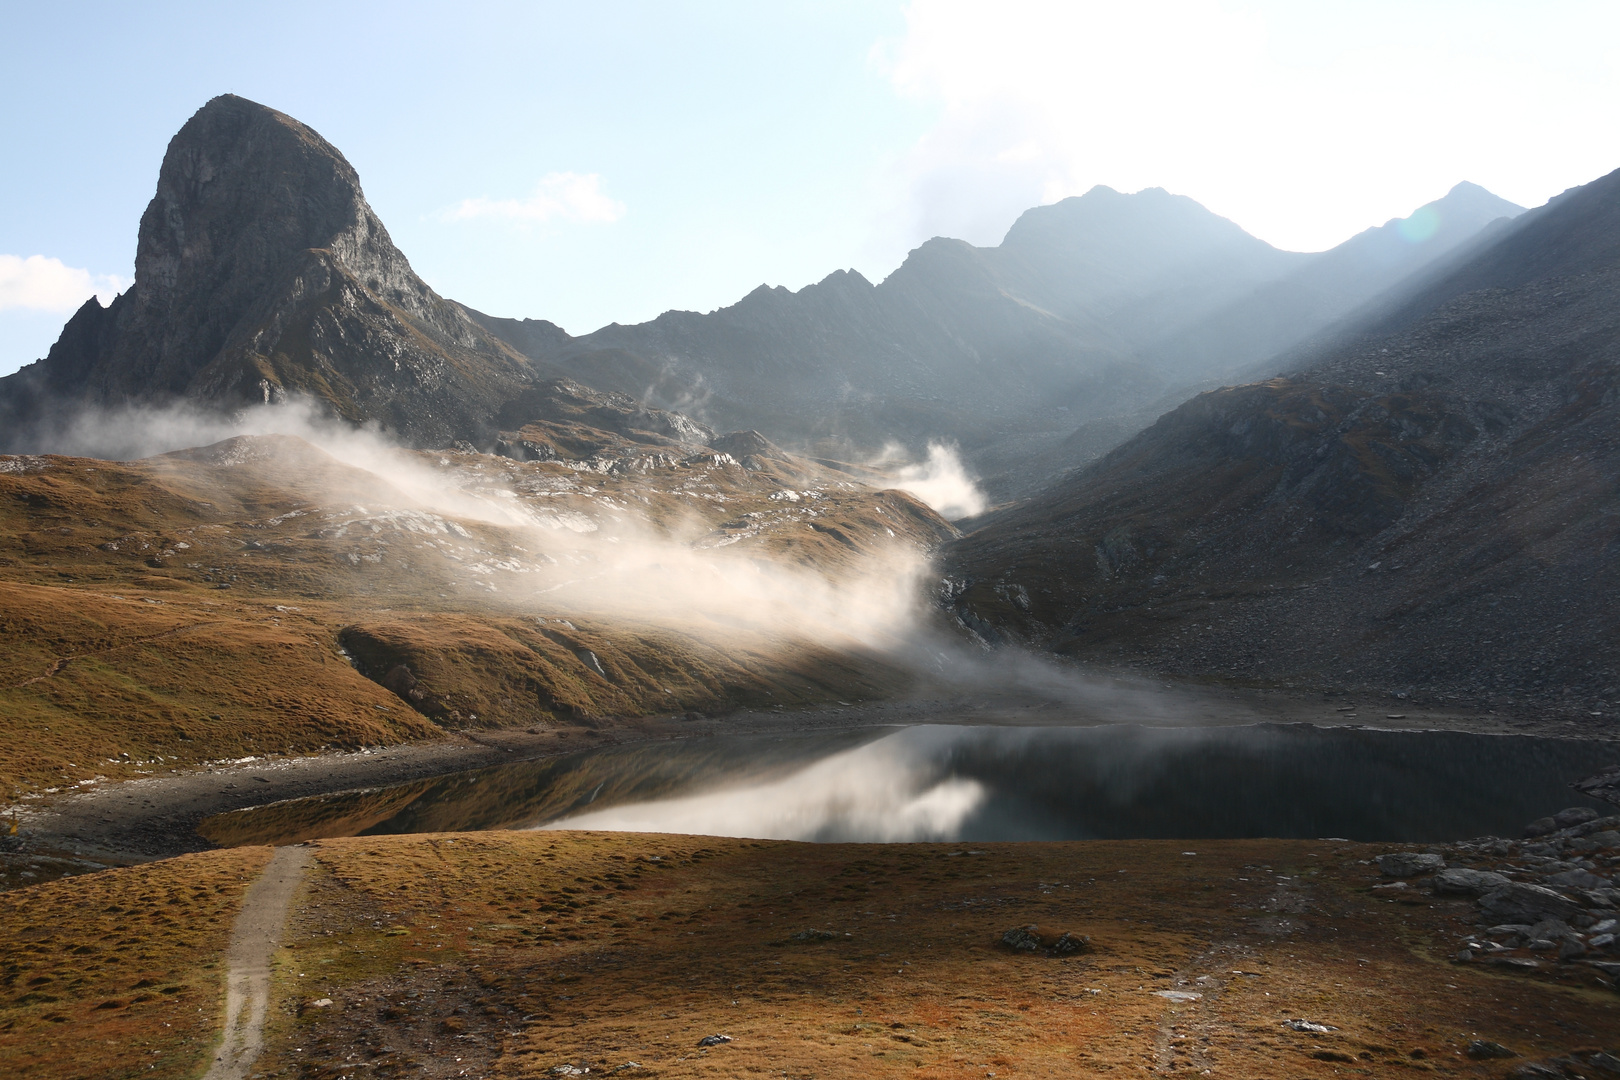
x=261, y=272
x=1432, y=504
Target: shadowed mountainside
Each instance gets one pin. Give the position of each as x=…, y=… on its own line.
x=1092, y=309
x=1282, y=314
x=1426, y=509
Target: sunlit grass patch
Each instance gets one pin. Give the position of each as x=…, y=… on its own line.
x=113, y=973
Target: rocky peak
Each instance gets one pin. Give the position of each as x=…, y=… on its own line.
x=244, y=194
x=1149, y=227
x=261, y=275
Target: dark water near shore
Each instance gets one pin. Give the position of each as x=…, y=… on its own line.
x=991, y=783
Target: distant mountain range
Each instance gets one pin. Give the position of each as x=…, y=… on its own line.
x=1423, y=503
x=262, y=272
x=1426, y=504
x=1099, y=307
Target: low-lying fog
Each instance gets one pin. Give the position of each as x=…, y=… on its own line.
x=614, y=562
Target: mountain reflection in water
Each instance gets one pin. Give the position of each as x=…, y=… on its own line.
x=956, y=783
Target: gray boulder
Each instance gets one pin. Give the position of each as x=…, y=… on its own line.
x=1596, y=825
x=1460, y=882
x=1578, y=879
x=1597, y=841
x=1575, y=815
x=1551, y=929
x=1022, y=939
x=1405, y=864
x=1540, y=827
x=1482, y=1049
x=1518, y=902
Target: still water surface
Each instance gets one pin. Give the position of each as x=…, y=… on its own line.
x=956, y=783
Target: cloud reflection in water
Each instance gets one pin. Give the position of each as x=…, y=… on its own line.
x=889, y=791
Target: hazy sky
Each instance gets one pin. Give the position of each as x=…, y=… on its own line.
x=590, y=163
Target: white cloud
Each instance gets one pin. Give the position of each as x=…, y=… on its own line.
x=1302, y=122
x=942, y=481
x=44, y=284
x=562, y=196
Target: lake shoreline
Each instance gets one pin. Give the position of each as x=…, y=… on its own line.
x=118, y=823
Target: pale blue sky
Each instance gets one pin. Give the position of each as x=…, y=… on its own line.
x=685, y=153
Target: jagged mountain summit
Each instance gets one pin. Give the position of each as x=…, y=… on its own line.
x=1104, y=308
x=1427, y=506
x=974, y=344
x=260, y=271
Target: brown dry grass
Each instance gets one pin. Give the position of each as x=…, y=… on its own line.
x=167, y=612
x=508, y=954
x=116, y=684
x=119, y=974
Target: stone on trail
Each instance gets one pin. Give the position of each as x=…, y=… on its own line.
x=1405, y=864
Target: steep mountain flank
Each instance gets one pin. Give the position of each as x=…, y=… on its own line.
x=975, y=344
x=1433, y=504
x=1097, y=312
x=260, y=271
x=1327, y=287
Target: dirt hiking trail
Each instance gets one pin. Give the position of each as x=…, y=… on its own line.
x=253, y=945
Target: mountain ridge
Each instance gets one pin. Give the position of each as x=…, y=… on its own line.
x=1423, y=506
x=262, y=273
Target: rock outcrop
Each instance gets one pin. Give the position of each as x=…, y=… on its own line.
x=261, y=273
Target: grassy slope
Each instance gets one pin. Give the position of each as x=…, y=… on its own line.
x=120, y=974
x=124, y=653
x=508, y=954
